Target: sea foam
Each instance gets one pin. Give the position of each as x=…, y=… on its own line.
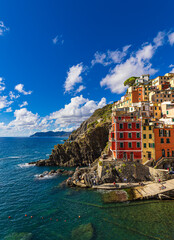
x=26, y=165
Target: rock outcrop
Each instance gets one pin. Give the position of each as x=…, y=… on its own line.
x=85, y=144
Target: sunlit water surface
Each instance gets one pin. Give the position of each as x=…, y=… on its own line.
x=22, y=193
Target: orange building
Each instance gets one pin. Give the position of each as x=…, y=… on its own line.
x=137, y=95
x=164, y=144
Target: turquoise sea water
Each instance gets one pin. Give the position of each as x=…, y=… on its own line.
x=22, y=193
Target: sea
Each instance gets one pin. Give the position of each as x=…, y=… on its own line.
x=41, y=210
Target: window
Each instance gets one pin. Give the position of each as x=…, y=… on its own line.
x=150, y=127
x=119, y=118
x=138, y=135
x=155, y=108
x=138, y=144
x=144, y=128
x=162, y=140
x=137, y=125
x=129, y=125
x=121, y=126
x=167, y=112
x=151, y=145
x=139, y=94
x=144, y=136
x=144, y=145
x=156, y=114
x=160, y=132
x=129, y=135
x=121, y=135
x=130, y=145
x=112, y=135
x=150, y=136
x=121, y=145
x=167, y=140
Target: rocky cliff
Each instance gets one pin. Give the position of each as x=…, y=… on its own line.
x=84, y=144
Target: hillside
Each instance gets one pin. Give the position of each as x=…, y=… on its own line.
x=51, y=134
x=84, y=144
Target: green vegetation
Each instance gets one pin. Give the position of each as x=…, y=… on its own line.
x=100, y=163
x=130, y=81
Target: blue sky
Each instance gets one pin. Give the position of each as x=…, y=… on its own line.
x=61, y=60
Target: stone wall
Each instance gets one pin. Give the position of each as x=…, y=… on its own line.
x=158, y=174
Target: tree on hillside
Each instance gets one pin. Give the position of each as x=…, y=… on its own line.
x=130, y=81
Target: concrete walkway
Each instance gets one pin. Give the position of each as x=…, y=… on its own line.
x=153, y=189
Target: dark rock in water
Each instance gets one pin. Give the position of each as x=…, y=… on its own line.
x=63, y=184
x=32, y=163
x=115, y=196
x=59, y=171
x=68, y=173
x=19, y=236
x=83, y=232
x=51, y=172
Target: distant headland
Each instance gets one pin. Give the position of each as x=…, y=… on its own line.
x=51, y=134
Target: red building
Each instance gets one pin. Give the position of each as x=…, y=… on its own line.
x=125, y=137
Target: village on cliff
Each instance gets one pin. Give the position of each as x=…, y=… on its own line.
x=138, y=159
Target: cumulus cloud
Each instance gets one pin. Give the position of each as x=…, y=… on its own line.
x=20, y=88
x=13, y=96
x=80, y=88
x=2, y=84
x=3, y=28
x=137, y=64
x=171, y=38
x=110, y=56
x=74, y=113
x=25, y=103
x=58, y=40
x=4, y=103
x=73, y=77
x=8, y=110
x=24, y=119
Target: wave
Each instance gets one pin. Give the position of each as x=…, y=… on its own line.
x=14, y=157
x=43, y=177
x=47, y=154
x=26, y=165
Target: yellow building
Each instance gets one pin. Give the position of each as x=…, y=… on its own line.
x=148, y=142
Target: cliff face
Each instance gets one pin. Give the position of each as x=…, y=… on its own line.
x=85, y=144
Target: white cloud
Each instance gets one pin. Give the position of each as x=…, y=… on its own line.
x=171, y=66
x=3, y=28
x=13, y=96
x=20, y=88
x=4, y=103
x=171, y=38
x=24, y=119
x=25, y=103
x=80, y=88
x=73, y=77
x=74, y=113
x=137, y=64
x=110, y=57
x=2, y=84
x=58, y=40
x=8, y=109
x=100, y=58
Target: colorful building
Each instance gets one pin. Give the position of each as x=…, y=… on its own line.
x=148, y=141
x=125, y=137
x=164, y=141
